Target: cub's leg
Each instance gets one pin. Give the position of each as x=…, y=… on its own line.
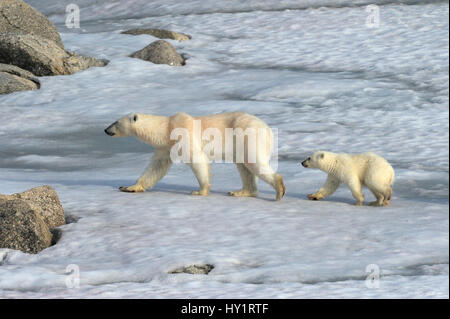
x=380, y=185
x=387, y=198
x=266, y=173
x=157, y=169
x=383, y=197
x=201, y=169
x=249, y=183
x=327, y=189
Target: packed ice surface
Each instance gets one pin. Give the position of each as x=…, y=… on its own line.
x=317, y=74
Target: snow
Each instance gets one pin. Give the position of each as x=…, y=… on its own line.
x=311, y=69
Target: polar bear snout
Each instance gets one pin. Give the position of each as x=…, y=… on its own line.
x=110, y=130
x=305, y=163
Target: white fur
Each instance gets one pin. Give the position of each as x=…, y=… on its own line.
x=155, y=130
x=354, y=170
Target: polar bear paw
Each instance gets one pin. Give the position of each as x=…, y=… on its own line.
x=243, y=193
x=315, y=197
x=378, y=204
x=132, y=189
x=201, y=192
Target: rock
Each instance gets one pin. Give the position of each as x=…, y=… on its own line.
x=45, y=203
x=56, y=235
x=42, y=56
x=27, y=219
x=11, y=83
x=18, y=17
x=21, y=228
x=194, y=269
x=13, y=78
x=160, y=52
x=77, y=62
x=159, y=33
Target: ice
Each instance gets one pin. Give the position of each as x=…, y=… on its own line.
x=311, y=69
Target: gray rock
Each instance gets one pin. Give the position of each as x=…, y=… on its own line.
x=42, y=56
x=21, y=228
x=194, y=269
x=45, y=203
x=13, y=78
x=159, y=33
x=160, y=52
x=18, y=17
x=10, y=83
x=78, y=62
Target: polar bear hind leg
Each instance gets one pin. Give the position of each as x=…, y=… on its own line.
x=266, y=173
x=383, y=196
x=249, y=183
x=380, y=186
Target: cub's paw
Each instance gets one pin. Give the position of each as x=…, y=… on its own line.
x=314, y=197
x=132, y=189
x=378, y=204
x=375, y=204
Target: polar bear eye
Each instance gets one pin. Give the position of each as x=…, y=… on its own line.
x=135, y=118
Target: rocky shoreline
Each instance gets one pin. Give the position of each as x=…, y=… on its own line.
x=29, y=41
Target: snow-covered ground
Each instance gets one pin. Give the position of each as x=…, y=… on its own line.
x=311, y=69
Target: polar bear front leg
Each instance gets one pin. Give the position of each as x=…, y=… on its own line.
x=327, y=189
x=157, y=169
x=201, y=169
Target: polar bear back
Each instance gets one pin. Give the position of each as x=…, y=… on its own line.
x=369, y=167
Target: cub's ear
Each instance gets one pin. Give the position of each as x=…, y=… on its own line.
x=135, y=118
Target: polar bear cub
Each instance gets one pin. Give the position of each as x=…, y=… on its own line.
x=354, y=170
x=161, y=133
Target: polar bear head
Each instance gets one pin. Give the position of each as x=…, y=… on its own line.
x=126, y=126
x=317, y=160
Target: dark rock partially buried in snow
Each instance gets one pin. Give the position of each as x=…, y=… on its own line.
x=194, y=269
x=27, y=219
x=18, y=17
x=13, y=78
x=21, y=228
x=42, y=56
x=159, y=33
x=44, y=201
x=160, y=52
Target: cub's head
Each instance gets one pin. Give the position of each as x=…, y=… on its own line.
x=124, y=126
x=316, y=160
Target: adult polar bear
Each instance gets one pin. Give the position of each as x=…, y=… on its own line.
x=158, y=132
